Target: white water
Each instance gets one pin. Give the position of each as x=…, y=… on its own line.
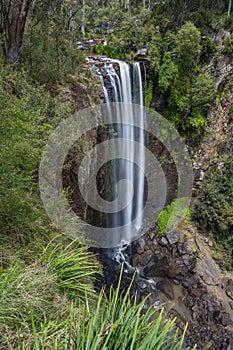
x=125, y=85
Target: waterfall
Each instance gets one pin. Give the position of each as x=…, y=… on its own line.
x=138, y=99
x=122, y=82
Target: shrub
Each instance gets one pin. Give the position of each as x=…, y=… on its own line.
x=229, y=44
x=107, y=50
x=208, y=48
x=172, y=214
x=213, y=208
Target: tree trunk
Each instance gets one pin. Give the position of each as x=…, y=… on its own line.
x=16, y=29
x=229, y=8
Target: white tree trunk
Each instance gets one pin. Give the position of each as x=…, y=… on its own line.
x=83, y=17
x=229, y=8
x=126, y=4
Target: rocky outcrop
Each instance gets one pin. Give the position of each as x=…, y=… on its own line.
x=220, y=37
x=177, y=269
x=189, y=278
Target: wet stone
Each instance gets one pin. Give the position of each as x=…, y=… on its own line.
x=192, y=264
x=190, y=245
x=152, y=235
x=226, y=320
x=157, y=268
x=173, y=271
x=142, y=284
x=140, y=246
x=135, y=261
x=210, y=308
x=191, y=282
x=186, y=259
x=182, y=249
x=145, y=257
x=163, y=242
x=173, y=237
x=166, y=288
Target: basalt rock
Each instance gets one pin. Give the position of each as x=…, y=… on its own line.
x=186, y=275
x=229, y=289
x=173, y=237
x=208, y=270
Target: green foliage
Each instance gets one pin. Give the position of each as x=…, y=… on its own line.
x=168, y=72
x=208, y=48
x=188, y=99
x=213, y=208
x=48, y=53
x=195, y=126
x=36, y=290
x=196, y=102
x=116, y=322
x=71, y=266
x=170, y=216
x=229, y=44
x=154, y=47
x=119, y=323
x=202, y=92
x=187, y=46
x=28, y=114
x=107, y=50
x=148, y=95
x=131, y=32
x=22, y=289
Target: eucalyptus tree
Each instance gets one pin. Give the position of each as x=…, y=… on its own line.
x=12, y=24
x=49, y=50
x=14, y=14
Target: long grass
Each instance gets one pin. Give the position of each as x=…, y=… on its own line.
x=44, y=289
x=117, y=323
x=44, y=308
x=73, y=267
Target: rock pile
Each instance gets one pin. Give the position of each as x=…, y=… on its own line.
x=181, y=273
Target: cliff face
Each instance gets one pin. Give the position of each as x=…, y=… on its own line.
x=86, y=92
x=217, y=143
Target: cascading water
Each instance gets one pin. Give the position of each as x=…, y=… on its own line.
x=123, y=83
